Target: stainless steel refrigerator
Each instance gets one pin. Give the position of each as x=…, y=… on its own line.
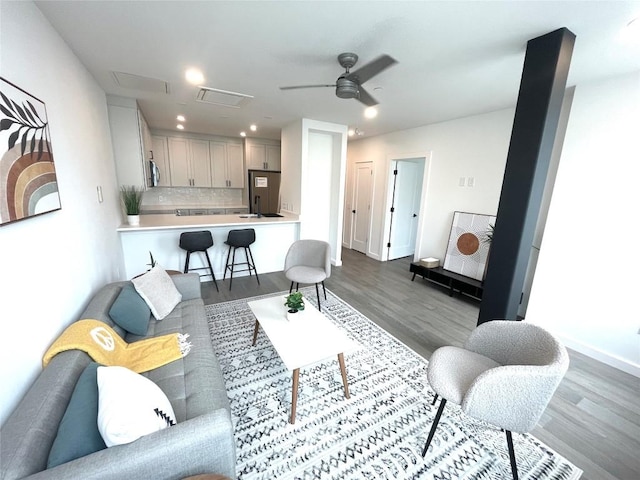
x=264, y=192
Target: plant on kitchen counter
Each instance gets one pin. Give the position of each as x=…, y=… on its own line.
x=131, y=198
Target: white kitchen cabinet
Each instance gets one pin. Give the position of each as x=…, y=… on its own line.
x=237, y=211
x=200, y=163
x=218, y=152
x=160, y=155
x=146, y=144
x=262, y=154
x=273, y=157
x=179, y=162
x=235, y=165
x=125, y=123
x=226, y=165
x=189, y=162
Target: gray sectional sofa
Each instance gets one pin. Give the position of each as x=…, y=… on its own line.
x=201, y=442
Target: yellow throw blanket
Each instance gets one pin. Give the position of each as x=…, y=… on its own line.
x=106, y=347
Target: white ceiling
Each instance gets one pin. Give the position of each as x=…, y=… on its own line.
x=455, y=58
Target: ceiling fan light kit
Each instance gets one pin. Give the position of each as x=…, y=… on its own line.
x=349, y=84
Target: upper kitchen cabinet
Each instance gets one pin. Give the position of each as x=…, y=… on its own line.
x=160, y=156
x=189, y=162
x=131, y=141
x=262, y=154
x=226, y=164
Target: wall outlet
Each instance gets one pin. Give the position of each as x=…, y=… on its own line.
x=461, y=182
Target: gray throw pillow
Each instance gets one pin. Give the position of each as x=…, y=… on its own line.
x=158, y=290
x=78, y=433
x=130, y=311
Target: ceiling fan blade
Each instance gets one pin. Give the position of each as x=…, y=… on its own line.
x=295, y=87
x=371, y=69
x=364, y=97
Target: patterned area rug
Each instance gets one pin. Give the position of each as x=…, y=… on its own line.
x=378, y=433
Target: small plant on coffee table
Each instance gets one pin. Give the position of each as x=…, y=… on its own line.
x=294, y=302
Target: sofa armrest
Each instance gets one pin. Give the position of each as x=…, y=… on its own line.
x=188, y=284
x=202, y=444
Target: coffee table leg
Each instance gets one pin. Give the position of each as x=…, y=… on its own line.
x=294, y=395
x=343, y=371
x=255, y=332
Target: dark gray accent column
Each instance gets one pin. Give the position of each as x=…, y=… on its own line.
x=542, y=87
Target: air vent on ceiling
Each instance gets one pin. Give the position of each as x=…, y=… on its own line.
x=222, y=97
x=136, y=82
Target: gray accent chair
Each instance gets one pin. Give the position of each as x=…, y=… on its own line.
x=506, y=374
x=308, y=261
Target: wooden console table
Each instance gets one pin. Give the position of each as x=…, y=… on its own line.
x=454, y=281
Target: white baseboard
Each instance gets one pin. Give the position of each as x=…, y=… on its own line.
x=604, y=357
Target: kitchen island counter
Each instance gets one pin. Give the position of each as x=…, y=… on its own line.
x=173, y=221
x=160, y=235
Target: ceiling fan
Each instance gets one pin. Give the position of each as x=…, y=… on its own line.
x=349, y=84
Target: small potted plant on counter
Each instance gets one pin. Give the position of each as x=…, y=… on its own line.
x=131, y=199
x=295, y=303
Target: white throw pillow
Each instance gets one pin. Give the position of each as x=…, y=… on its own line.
x=130, y=406
x=158, y=290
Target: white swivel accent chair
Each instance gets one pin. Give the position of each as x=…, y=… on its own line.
x=308, y=261
x=506, y=374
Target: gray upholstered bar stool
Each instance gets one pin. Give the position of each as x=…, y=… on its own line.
x=198, y=242
x=242, y=238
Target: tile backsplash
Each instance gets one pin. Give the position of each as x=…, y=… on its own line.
x=189, y=196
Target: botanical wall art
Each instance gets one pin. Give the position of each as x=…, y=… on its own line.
x=28, y=184
x=469, y=243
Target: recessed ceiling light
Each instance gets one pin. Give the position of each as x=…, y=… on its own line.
x=253, y=128
x=351, y=132
x=371, y=112
x=194, y=76
x=180, y=126
x=180, y=118
x=243, y=134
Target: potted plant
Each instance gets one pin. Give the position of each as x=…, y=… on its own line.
x=131, y=199
x=295, y=303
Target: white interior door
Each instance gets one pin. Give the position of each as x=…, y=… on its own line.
x=362, y=203
x=405, y=207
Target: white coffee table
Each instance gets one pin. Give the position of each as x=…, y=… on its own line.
x=301, y=342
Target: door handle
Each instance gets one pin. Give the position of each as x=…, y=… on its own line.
x=353, y=211
x=414, y=215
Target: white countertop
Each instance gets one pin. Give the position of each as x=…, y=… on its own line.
x=172, y=221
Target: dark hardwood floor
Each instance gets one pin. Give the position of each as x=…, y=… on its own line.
x=593, y=419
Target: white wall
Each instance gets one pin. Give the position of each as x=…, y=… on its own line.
x=468, y=147
x=585, y=288
x=52, y=264
x=290, y=166
x=313, y=179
